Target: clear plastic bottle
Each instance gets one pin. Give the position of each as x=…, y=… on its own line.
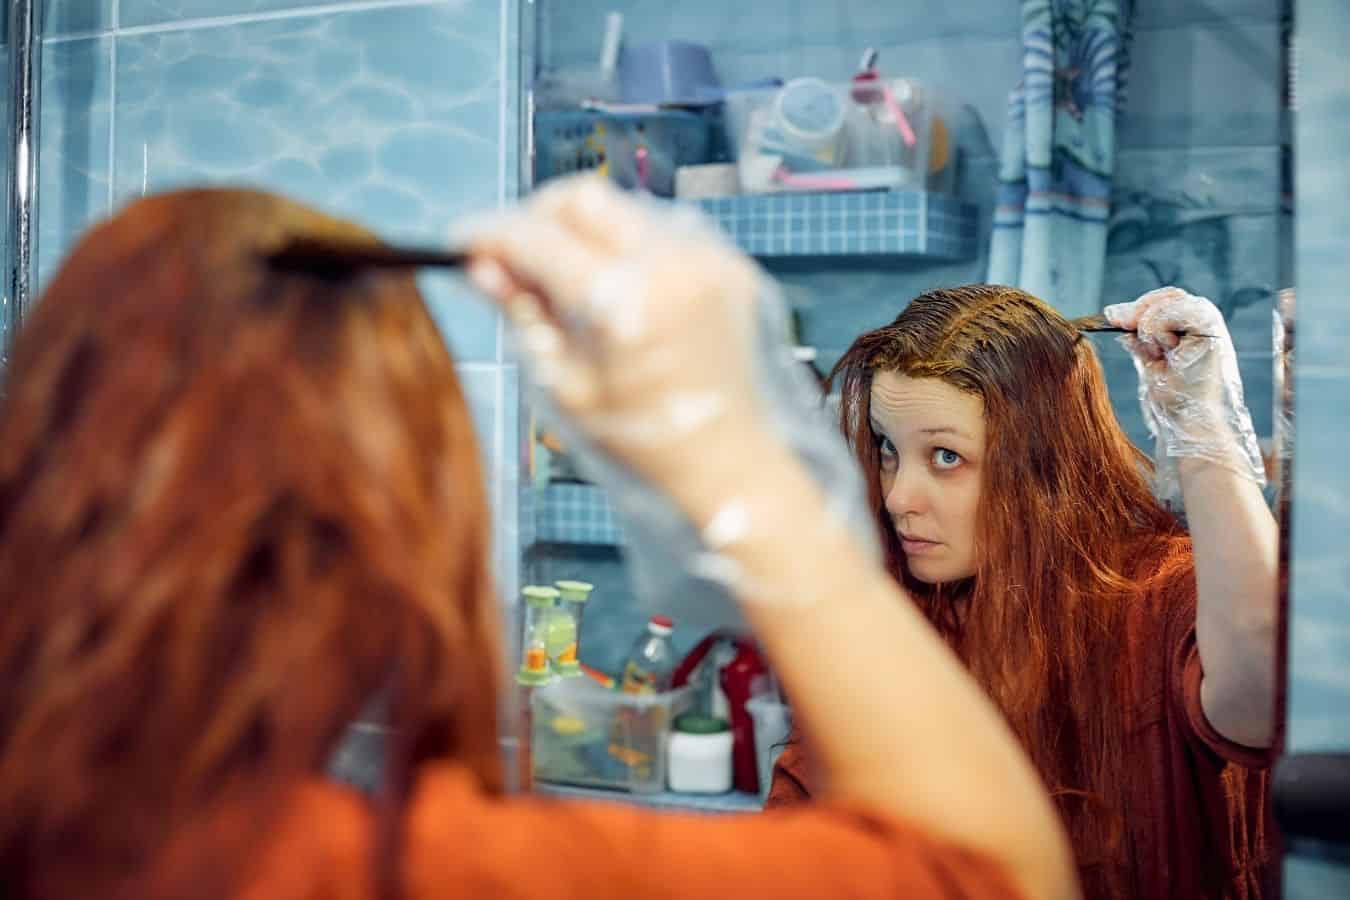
x=651, y=663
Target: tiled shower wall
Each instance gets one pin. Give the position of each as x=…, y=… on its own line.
x=402, y=115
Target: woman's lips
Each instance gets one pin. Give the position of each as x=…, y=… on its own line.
x=917, y=546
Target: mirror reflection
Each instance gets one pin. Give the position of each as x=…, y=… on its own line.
x=889, y=446
x=1036, y=489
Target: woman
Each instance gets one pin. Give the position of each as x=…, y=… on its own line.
x=1017, y=514
x=237, y=501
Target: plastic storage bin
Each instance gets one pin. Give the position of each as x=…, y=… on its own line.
x=586, y=735
x=840, y=143
x=637, y=150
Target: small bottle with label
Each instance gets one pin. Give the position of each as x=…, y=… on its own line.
x=651, y=663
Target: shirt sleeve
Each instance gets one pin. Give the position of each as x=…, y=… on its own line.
x=791, y=784
x=463, y=844
x=1185, y=674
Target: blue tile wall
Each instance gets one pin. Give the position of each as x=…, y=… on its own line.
x=136, y=13
x=1214, y=83
x=74, y=133
x=399, y=114
x=391, y=115
x=66, y=17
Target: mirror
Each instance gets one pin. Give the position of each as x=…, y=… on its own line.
x=775, y=123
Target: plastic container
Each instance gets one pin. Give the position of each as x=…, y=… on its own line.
x=808, y=120
x=573, y=141
x=796, y=128
x=869, y=150
x=699, y=755
x=586, y=735
x=875, y=136
x=772, y=723
x=564, y=633
x=539, y=608
x=674, y=73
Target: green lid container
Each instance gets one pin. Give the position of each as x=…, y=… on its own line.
x=540, y=595
x=574, y=591
x=693, y=723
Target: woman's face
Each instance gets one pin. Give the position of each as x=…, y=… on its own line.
x=931, y=439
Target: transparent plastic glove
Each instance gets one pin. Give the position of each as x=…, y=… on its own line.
x=658, y=346
x=640, y=326
x=1282, y=336
x=1189, y=387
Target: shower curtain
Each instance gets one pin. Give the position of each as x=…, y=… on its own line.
x=1058, y=156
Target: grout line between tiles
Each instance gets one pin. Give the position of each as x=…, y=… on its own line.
x=244, y=18
x=502, y=43
x=112, y=108
x=502, y=46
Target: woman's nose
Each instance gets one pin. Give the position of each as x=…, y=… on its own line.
x=904, y=492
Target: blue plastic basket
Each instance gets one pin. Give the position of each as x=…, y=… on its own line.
x=580, y=140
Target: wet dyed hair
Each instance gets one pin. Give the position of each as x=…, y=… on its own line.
x=235, y=506
x=1065, y=512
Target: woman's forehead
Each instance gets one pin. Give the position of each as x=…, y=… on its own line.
x=925, y=404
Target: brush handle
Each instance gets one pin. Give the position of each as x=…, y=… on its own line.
x=1099, y=324
x=319, y=256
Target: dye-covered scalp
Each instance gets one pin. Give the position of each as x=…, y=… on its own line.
x=969, y=336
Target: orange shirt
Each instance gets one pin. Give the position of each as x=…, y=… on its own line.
x=461, y=843
x=1198, y=819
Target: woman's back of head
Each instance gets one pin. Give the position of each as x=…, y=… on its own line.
x=235, y=505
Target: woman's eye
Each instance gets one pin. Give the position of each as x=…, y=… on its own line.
x=885, y=446
x=946, y=459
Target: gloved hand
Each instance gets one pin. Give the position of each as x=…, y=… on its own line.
x=1190, y=389
x=639, y=320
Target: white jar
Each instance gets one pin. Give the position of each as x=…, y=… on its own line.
x=699, y=756
x=808, y=115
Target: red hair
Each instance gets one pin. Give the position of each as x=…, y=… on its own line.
x=235, y=506
x=1065, y=514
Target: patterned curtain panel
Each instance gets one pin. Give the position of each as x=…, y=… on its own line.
x=1058, y=154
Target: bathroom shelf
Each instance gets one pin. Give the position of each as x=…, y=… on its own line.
x=573, y=513
x=877, y=224
x=717, y=804
x=569, y=512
